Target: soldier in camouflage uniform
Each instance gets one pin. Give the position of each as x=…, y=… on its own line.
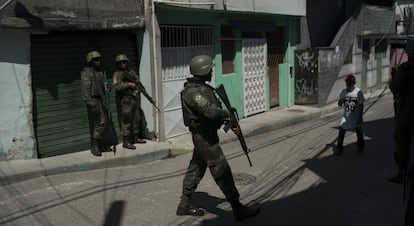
x=204, y=115
x=403, y=86
x=93, y=85
x=125, y=83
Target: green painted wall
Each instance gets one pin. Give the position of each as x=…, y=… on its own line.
x=283, y=85
x=234, y=82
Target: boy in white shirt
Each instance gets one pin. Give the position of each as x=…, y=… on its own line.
x=352, y=99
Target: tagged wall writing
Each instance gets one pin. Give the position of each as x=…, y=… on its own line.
x=306, y=83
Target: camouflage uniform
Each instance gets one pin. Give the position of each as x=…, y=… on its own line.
x=93, y=83
x=204, y=116
x=129, y=103
x=403, y=86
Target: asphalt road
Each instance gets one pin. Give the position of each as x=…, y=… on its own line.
x=295, y=179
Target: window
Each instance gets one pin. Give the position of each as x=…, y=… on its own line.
x=228, y=50
x=184, y=36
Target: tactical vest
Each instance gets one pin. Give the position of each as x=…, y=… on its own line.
x=192, y=119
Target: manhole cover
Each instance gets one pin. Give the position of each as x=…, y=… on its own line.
x=295, y=110
x=243, y=178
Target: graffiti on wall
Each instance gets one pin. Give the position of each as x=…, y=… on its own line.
x=306, y=83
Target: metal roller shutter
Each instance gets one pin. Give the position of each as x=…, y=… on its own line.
x=60, y=118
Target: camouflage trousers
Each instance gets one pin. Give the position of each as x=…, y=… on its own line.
x=98, y=119
x=131, y=116
x=209, y=154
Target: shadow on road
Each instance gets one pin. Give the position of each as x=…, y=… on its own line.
x=353, y=190
x=114, y=215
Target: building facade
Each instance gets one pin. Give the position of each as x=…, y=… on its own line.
x=252, y=43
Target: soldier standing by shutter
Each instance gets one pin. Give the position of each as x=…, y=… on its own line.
x=203, y=114
x=93, y=87
x=125, y=83
x=403, y=89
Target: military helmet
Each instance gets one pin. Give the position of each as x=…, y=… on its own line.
x=121, y=57
x=91, y=55
x=409, y=48
x=201, y=65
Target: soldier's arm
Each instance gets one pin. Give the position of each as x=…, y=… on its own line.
x=86, y=84
x=118, y=83
x=205, y=107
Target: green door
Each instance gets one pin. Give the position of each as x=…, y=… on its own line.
x=60, y=119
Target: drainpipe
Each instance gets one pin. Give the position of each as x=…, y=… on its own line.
x=155, y=69
x=289, y=71
x=290, y=76
x=184, y=3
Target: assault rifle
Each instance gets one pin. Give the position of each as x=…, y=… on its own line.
x=109, y=136
x=234, y=120
x=103, y=91
x=139, y=89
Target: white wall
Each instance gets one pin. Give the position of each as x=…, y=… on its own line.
x=284, y=7
x=16, y=124
x=291, y=7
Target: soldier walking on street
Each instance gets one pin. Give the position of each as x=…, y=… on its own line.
x=126, y=83
x=94, y=91
x=403, y=86
x=204, y=115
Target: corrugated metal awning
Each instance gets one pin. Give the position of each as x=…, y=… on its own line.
x=82, y=14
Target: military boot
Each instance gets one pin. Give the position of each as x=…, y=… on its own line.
x=138, y=140
x=242, y=212
x=95, y=148
x=127, y=143
x=185, y=208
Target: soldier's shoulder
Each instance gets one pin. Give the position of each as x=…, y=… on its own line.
x=117, y=73
x=133, y=72
x=190, y=90
x=87, y=70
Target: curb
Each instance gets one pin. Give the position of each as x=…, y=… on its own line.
x=65, y=163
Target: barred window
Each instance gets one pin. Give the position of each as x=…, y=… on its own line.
x=185, y=36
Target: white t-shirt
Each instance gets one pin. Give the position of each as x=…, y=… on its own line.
x=352, y=107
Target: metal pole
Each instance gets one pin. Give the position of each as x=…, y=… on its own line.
x=185, y=3
x=155, y=65
x=5, y=4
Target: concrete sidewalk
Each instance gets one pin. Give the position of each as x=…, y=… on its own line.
x=17, y=170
